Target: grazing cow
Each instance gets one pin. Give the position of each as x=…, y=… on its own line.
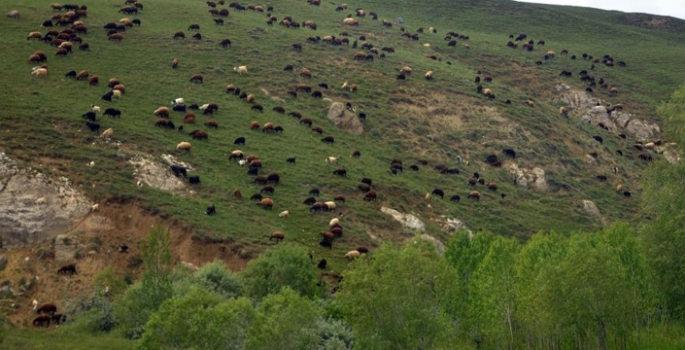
x=211, y=210
x=474, y=195
x=113, y=112
x=328, y=139
x=93, y=126
x=266, y=203
x=67, y=269
x=371, y=196
x=322, y=264
x=509, y=152
x=340, y=172
x=326, y=244
x=194, y=179
x=49, y=309
x=291, y=160
x=278, y=236
x=42, y=321
x=197, y=78
x=438, y=192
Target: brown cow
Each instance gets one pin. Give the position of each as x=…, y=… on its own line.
x=266, y=203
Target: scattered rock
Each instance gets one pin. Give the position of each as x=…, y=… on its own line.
x=534, y=178
x=592, y=210
x=344, y=119
x=35, y=207
x=408, y=221
x=452, y=226
x=592, y=110
x=150, y=172
x=65, y=248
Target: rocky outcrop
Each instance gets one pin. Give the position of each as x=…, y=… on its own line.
x=408, y=221
x=65, y=248
x=35, y=207
x=591, y=209
x=344, y=119
x=452, y=225
x=534, y=178
x=592, y=110
x=151, y=172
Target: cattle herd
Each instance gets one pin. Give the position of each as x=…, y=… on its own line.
x=71, y=18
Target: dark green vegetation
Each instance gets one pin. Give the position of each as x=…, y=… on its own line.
x=506, y=296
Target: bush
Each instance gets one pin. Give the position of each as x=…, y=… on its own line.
x=283, y=266
x=216, y=278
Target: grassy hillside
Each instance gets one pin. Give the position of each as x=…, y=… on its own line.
x=41, y=122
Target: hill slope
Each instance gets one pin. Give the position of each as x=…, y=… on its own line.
x=439, y=121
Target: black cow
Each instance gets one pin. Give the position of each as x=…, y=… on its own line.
x=93, y=126
x=90, y=116
x=113, y=112
x=322, y=264
x=67, y=269
x=211, y=210
x=291, y=160
x=194, y=179
x=239, y=141
x=509, y=152
x=179, y=170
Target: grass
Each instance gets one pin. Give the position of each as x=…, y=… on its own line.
x=41, y=124
x=63, y=339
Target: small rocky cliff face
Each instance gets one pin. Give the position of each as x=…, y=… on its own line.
x=34, y=207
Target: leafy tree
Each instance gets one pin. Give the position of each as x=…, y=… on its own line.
x=284, y=265
x=285, y=321
x=199, y=320
x=145, y=297
x=663, y=195
x=216, y=278
x=401, y=298
x=591, y=294
x=535, y=264
x=465, y=252
x=334, y=334
x=493, y=298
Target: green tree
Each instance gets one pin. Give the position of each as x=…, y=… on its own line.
x=493, y=299
x=663, y=196
x=592, y=296
x=465, y=251
x=216, y=278
x=285, y=321
x=199, y=320
x=535, y=263
x=145, y=297
x=281, y=266
x=401, y=298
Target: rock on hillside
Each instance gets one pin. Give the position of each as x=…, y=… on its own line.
x=592, y=110
x=344, y=119
x=529, y=177
x=35, y=207
x=591, y=209
x=408, y=221
x=153, y=173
